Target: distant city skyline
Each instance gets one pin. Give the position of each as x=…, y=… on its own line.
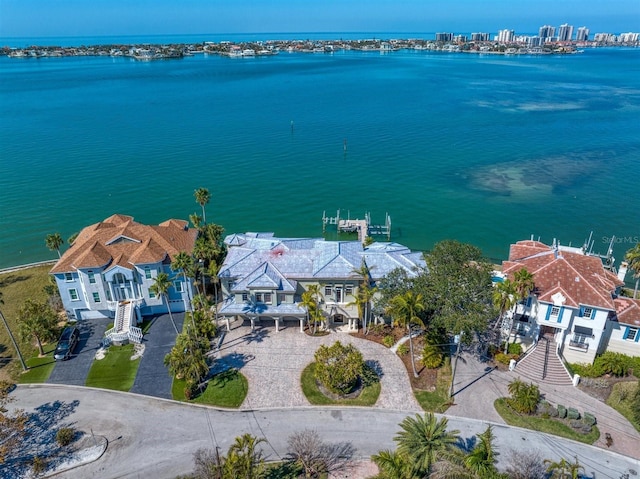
x=42, y=18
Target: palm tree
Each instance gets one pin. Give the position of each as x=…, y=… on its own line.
x=315, y=311
x=202, y=196
x=393, y=465
x=182, y=262
x=13, y=339
x=564, y=469
x=308, y=303
x=633, y=258
x=53, y=242
x=39, y=321
x=160, y=287
x=244, y=459
x=187, y=359
x=404, y=308
x=482, y=458
x=422, y=439
x=503, y=297
x=196, y=220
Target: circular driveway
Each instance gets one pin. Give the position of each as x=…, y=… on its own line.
x=273, y=362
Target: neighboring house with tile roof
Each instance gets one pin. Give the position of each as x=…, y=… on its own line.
x=115, y=261
x=263, y=277
x=576, y=301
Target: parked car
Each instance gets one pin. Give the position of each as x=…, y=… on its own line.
x=68, y=340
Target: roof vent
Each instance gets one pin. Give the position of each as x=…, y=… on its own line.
x=577, y=279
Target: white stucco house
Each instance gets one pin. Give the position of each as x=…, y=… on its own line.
x=109, y=268
x=576, y=303
x=263, y=277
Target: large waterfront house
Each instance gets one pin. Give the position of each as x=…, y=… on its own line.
x=263, y=277
x=576, y=304
x=109, y=268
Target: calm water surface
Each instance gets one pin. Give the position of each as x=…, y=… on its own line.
x=484, y=149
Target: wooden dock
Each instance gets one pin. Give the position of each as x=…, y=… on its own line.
x=364, y=227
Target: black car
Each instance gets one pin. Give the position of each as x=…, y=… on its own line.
x=68, y=340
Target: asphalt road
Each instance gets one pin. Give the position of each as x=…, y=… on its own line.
x=75, y=369
x=151, y=437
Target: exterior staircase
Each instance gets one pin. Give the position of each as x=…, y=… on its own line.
x=543, y=366
x=122, y=329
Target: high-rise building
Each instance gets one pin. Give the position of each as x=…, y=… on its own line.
x=480, y=37
x=444, y=37
x=582, y=35
x=565, y=33
x=546, y=31
x=505, y=36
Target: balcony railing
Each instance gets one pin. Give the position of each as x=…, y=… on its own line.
x=578, y=345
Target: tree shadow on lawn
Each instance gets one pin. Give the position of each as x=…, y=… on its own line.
x=39, y=439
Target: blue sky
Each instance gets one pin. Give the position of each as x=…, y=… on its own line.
x=39, y=18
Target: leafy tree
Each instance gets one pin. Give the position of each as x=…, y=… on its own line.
x=422, y=439
x=187, y=359
x=338, y=367
x=38, y=321
x=457, y=289
x=404, y=309
x=524, y=397
x=564, y=469
x=633, y=258
x=53, y=242
x=202, y=196
x=525, y=465
x=160, y=287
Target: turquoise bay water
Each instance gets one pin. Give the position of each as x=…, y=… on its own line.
x=483, y=149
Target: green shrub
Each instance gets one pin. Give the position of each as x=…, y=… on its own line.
x=338, y=367
x=524, y=397
x=432, y=357
x=378, y=329
x=572, y=413
x=505, y=358
x=589, y=419
x=587, y=370
x=613, y=363
x=388, y=341
x=65, y=436
x=38, y=465
x=403, y=349
x=562, y=411
x=515, y=349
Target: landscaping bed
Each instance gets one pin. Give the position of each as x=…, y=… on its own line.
x=226, y=389
x=366, y=395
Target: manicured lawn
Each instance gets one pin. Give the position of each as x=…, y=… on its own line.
x=116, y=371
x=620, y=400
x=438, y=400
x=227, y=389
x=39, y=368
x=549, y=426
x=368, y=397
x=16, y=288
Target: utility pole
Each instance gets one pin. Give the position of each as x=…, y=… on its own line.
x=13, y=340
x=457, y=340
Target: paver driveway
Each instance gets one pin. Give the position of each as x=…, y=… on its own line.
x=273, y=362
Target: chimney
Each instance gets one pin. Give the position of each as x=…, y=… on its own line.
x=622, y=272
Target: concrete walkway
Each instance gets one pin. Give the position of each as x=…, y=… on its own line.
x=478, y=385
x=273, y=361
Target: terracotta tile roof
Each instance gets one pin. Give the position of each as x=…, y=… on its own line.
x=120, y=240
x=580, y=278
x=628, y=310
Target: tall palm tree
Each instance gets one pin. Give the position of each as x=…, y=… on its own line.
x=308, y=303
x=202, y=196
x=315, y=312
x=422, y=439
x=187, y=359
x=564, y=469
x=182, y=262
x=13, y=339
x=404, y=308
x=53, y=242
x=482, y=458
x=160, y=287
x=633, y=258
x=245, y=459
x=523, y=283
x=504, y=298
x=196, y=220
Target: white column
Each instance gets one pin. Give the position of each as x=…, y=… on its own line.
x=302, y=325
x=228, y=326
x=277, y=325
x=253, y=323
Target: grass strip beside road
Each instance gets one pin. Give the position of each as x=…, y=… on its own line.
x=368, y=397
x=39, y=367
x=226, y=389
x=116, y=371
x=621, y=399
x=549, y=426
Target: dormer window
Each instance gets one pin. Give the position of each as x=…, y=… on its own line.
x=555, y=311
x=68, y=277
x=588, y=313
x=263, y=298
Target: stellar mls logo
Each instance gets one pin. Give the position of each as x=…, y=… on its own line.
x=621, y=239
